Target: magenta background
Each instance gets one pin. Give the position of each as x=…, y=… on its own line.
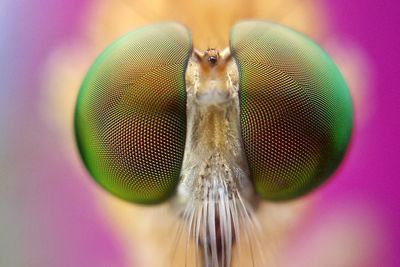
x=49, y=218
x=374, y=162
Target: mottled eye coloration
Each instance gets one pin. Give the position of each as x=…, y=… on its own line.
x=130, y=118
x=296, y=110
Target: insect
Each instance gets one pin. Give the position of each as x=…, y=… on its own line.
x=213, y=132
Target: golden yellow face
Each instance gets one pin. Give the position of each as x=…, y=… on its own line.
x=270, y=117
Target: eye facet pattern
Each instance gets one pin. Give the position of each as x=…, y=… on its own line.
x=296, y=111
x=130, y=117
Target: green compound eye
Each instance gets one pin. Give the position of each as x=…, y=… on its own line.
x=130, y=118
x=296, y=110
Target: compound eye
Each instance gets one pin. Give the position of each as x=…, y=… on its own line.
x=296, y=110
x=130, y=117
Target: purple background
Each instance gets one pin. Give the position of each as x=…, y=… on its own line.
x=374, y=167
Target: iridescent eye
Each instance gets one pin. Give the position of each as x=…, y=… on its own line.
x=130, y=119
x=296, y=111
